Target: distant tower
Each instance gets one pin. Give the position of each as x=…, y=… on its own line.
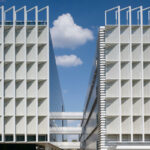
x=24, y=75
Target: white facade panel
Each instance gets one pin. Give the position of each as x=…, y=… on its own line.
x=146, y=34
x=31, y=32
x=20, y=109
x=8, y=106
x=42, y=55
x=1, y=34
x=31, y=52
x=124, y=31
x=125, y=52
x=9, y=125
x=20, y=71
x=20, y=34
x=146, y=52
x=20, y=125
x=31, y=125
x=42, y=125
x=8, y=52
x=41, y=35
x=31, y=107
x=20, y=52
x=8, y=34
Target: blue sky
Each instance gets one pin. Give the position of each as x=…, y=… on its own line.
x=86, y=17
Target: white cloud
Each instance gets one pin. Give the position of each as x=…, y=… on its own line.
x=66, y=34
x=68, y=61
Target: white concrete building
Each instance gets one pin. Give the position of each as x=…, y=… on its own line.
x=24, y=75
x=124, y=79
x=117, y=108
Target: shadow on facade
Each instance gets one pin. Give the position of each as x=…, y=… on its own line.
x=18, y=147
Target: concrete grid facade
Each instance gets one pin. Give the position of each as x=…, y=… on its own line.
x=122, y=95
x=124, y=81
x=24, y=76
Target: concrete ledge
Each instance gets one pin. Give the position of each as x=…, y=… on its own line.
x=67, y=145
x=65, y=130
x=66, y=115
x=132, y=147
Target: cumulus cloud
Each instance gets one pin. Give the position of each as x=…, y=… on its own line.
x=66, y=34
x=68, y=61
